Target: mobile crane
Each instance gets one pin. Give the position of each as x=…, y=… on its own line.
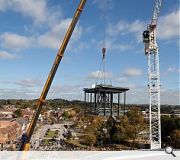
x=26, y=137
x=151, y=51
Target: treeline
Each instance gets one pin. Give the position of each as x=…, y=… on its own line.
x=58, y=103
x=49, y=104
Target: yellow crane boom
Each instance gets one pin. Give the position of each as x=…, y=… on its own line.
x=27, y=136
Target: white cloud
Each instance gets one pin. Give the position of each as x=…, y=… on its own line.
x=124, y=27
x=29, y=83
x=100, y=75
x=55, y=35
x=50, y=39
x=117, y=46
x=89, y=29
x=54, y=28
x=139, y=95
x=121, y=79
x=136, y=94
x=104, y=5
x=121, y=47
x=132, y=72
x=173, y=69
x=168, y=26
x=7, y=55
x=15, y=41
x=22, y=93
x=65, y=89
x=112, y=44
x=4, y=4
x=37, y=10
x=70, y=92
x=170, y=96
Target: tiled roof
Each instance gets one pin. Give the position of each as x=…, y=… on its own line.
x=27, y=111
x=10, y=132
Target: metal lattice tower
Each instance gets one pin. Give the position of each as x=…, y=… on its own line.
x=151, y=51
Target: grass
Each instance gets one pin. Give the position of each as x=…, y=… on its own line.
x=76, y=143
x=51, y=134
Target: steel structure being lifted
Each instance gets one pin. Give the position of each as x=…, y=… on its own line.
x=103, y=98
x=151, y=51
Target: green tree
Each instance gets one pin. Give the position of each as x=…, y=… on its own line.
x=168, y=125
x=18, y=113
x=123, y=127
x=26, y=104
x=90, y=139
x=136, y=125
x=119, y=135
x=65, y=115
x=175, y=139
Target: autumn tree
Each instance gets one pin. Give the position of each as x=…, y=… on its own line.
x=136, y=124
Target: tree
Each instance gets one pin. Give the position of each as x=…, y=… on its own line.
x=65, y=115
x=26, y=104
x=136, y=124
x=111, y=128
x=18, y=113
x=119, y=134
x=168, y=126
x=90, y=139
x=122, y=129
x=175, y=139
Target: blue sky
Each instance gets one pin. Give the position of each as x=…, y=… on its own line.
x=31, y=32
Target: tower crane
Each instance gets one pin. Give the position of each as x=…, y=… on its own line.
x=151, y=51
x=25, y=140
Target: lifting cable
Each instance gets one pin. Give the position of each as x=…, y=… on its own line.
x=103, y=73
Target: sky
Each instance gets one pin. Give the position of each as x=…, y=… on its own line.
x=31, y=32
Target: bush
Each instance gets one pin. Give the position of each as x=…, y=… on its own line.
x=18, y=113
x=90, y=139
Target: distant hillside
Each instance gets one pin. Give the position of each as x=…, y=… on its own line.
x=61, y=103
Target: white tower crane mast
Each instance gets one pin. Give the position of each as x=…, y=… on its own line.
x=151, y=51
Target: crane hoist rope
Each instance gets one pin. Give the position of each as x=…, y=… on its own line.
x=103, y=76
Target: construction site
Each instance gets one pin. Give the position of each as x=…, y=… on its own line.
x=111, y=113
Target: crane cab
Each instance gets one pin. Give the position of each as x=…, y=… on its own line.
x=146, y=36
